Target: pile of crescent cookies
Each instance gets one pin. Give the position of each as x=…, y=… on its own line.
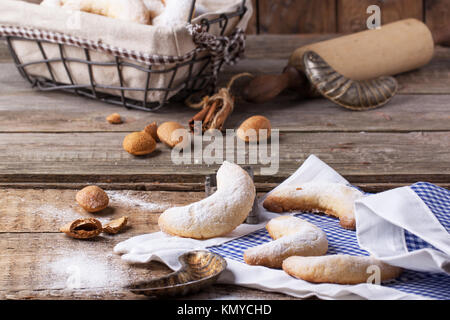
x=298, y=247
x=150, y=12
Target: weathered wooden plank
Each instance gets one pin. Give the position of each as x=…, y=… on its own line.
x=59, y=112
x=47, y=210
x=24, y=109
x=36, y=261
x=362, y=157
x=38, y=266
x=280, y=46
x=183, y=187
x=33, y=267
x=352, y=14
x=300, y=16
x=433, y=78
x=215, y=292
x=40, y=261
x=138, y=186
x=437, y=14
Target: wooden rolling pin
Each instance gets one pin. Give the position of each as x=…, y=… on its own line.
x=394, y=48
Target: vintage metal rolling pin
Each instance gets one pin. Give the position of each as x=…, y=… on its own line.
x=395, y=48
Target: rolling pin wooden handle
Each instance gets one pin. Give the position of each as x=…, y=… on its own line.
x=266, y=87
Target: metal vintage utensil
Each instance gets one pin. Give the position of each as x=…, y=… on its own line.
x=211, y=187
x=199, y=269
x=348, y=93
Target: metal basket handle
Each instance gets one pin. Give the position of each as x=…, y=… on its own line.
x=191, y=12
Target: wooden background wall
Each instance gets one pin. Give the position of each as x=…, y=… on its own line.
x=342, y=16
x=339, y=16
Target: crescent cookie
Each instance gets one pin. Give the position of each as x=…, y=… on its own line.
x=218, y=214
x=333, y=199
x=128, y=10
x=292, y=236
x=340, y=269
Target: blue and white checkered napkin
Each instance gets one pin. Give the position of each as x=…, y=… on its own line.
x=343, y=241
x=412, y=251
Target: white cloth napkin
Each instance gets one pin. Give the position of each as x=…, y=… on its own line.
x=381, y=221
x=166, y=249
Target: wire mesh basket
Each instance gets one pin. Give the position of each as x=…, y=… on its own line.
x=201, y=75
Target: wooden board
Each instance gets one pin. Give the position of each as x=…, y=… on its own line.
x=352, y=14
x=270, y=46
x=59, y=112
x=98, y=157
x=46, y=210
x=432, y=78
x=36, y=260
x=437, y=14
x=301, y=16
x=33, y=267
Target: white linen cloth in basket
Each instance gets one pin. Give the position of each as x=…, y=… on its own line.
x=121, y=35
x=386, y=230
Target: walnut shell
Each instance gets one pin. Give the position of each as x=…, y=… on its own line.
x=92, y=199
x=84, y=228
x=254, y=124
x=139, y=143
x=114, y=226
x=165, y=131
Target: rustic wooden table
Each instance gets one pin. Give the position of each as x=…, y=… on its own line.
x=52, y=144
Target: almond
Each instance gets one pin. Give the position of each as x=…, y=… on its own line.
x=92, y=199
x=166, y=133
x=152, y=129
x=249, y=129
x=114, y=118
x=139, y=143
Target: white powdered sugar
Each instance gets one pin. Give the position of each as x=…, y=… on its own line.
x=129, y=199
x=60, y=216
x=81, y=270
x=56, y=215
x=125, y=199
